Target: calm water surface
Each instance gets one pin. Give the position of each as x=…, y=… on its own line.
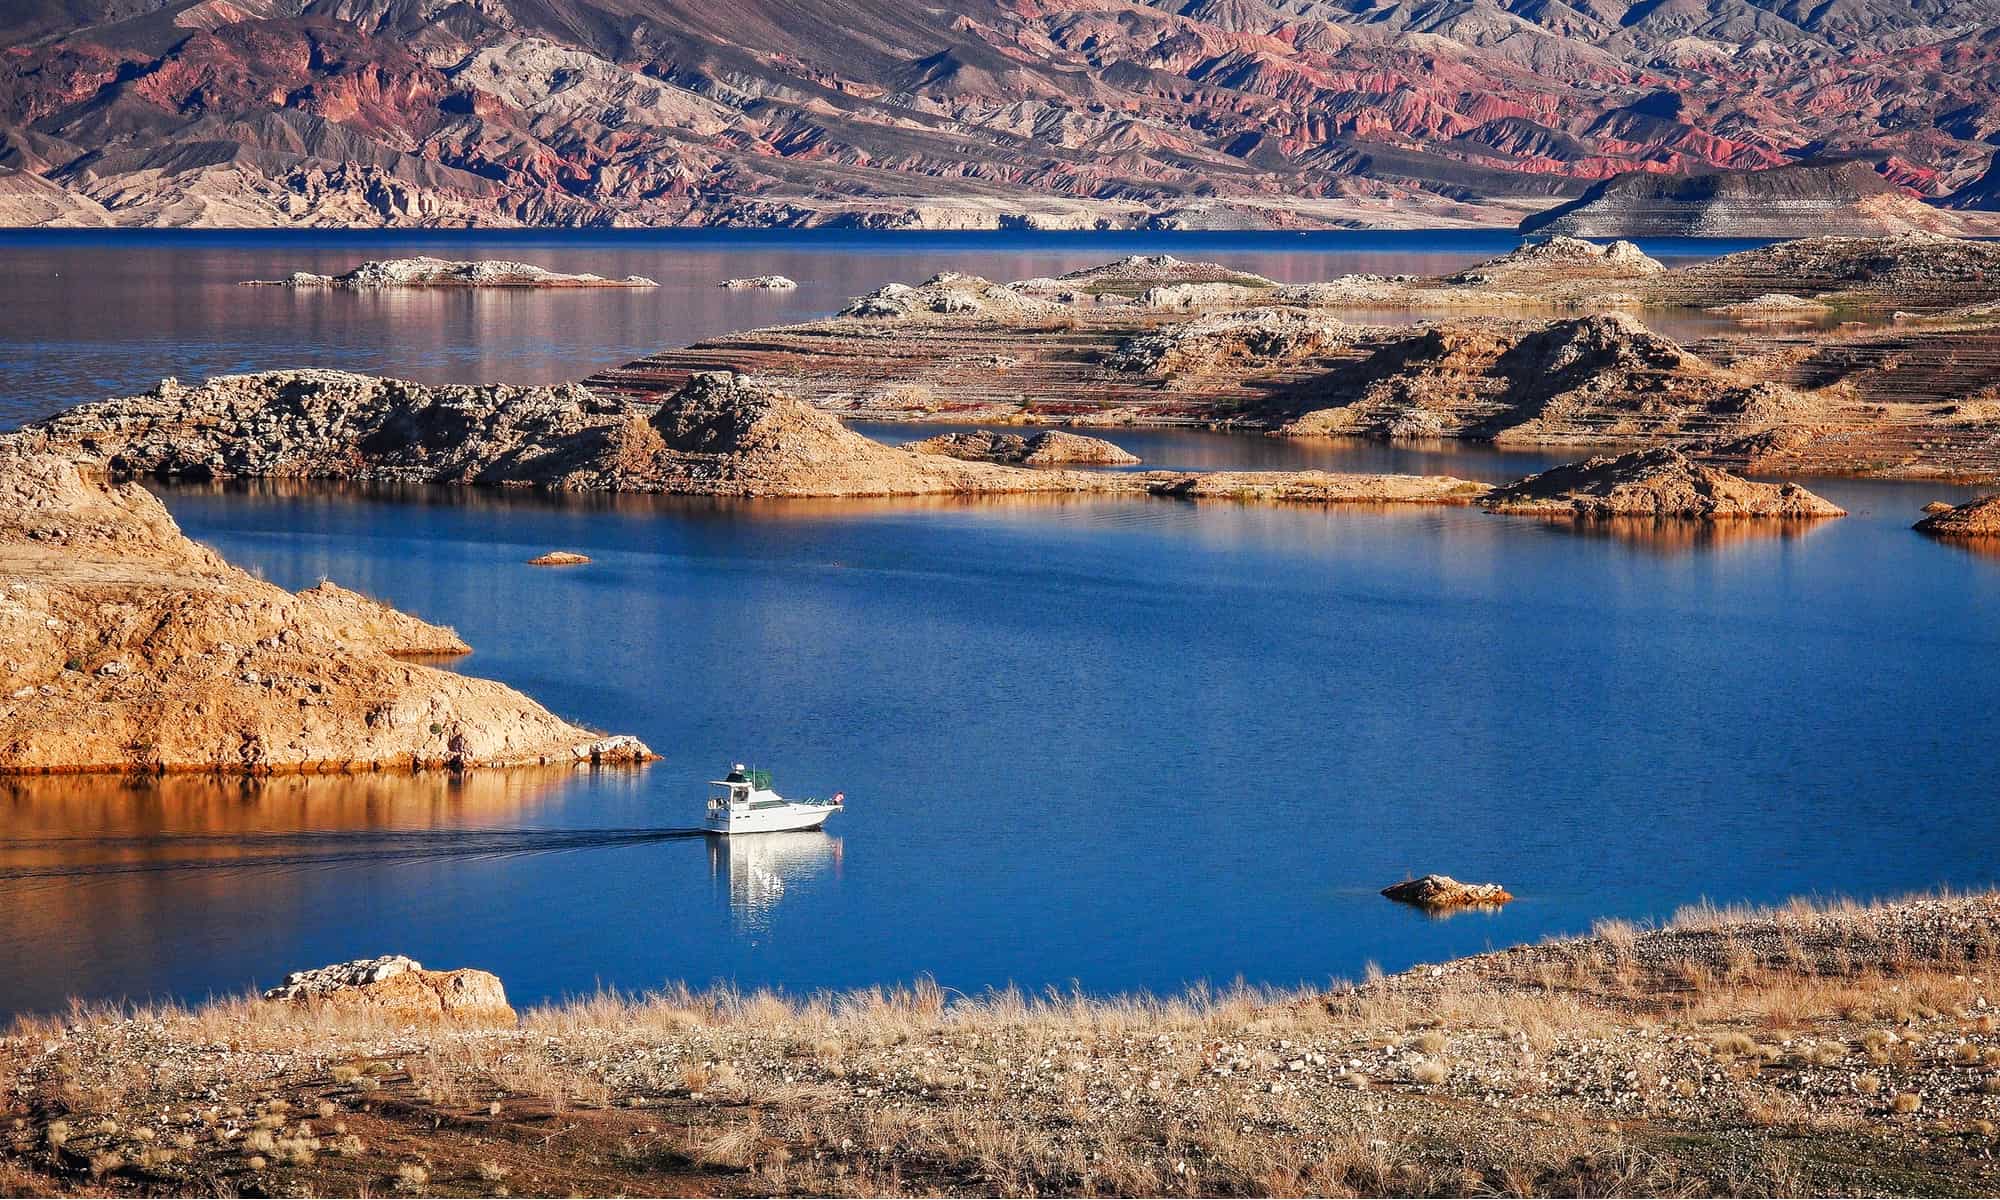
x=1118, y=744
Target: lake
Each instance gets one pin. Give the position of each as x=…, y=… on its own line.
x=1113, y=744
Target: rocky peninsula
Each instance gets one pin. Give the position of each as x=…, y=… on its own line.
x=1156, y=340
x=424, y=271
x=1805, y=1050
x=130, y=648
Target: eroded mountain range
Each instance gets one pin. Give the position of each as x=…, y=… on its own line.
x=969, y=114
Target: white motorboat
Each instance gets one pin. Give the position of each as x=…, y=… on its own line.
x=745, y=803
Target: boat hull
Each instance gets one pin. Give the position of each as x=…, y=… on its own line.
x=782, y=818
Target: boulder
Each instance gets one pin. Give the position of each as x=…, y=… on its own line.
x=769, y=283
x=1442, y=891
x=1938, y=506
x=559, y=558
x=399, y=988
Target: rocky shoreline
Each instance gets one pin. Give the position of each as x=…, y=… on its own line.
x=1822, y=1050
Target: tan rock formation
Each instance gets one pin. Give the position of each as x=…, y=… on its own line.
x=1561, y=261
x=1581, y=381
x=1051, y=447
x=1442, y=891
x=125, y=646
x=559, y=558
x=1974, y=519
x=1655, y=483
x=363, y=621
x=1186, y=354
x=399, y=989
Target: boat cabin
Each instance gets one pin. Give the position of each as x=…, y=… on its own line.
x=740, y=788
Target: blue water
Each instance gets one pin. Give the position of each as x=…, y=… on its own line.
x=1112, y=743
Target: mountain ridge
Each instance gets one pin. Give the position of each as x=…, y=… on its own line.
x=973, y=114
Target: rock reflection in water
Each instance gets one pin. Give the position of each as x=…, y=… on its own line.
x=761, y=867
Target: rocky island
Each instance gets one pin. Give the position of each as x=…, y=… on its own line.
x=426, y=272
x=1654, y=483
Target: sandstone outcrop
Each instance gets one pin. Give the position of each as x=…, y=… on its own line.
x=1244, y=340
x=1654, y=483
x=559, y=558
x=1561, y=260
x=424, y=271
x=769, y=283
x=127, y=647
x=1919, y=270
x=397, y=988
x=1582, y=381
x=363, y=621
x=1974, y=519
x=1051, y=447
x=1442, y=891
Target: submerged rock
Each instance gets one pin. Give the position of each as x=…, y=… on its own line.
x=1046, y=449
x=1442, y=891
x=399, y=988
x=425, y=271
x=1654, y=483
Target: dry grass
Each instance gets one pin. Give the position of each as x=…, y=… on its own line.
x=1514, y=1074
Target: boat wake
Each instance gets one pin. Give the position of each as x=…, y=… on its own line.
x=80, y=856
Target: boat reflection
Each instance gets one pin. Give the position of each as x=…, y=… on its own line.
x=761, y=867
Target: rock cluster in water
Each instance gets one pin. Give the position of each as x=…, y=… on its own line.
x=1654, y=483
x=1442, y=891
x=1051, y=447
x=424, y=271
x=769, y=283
